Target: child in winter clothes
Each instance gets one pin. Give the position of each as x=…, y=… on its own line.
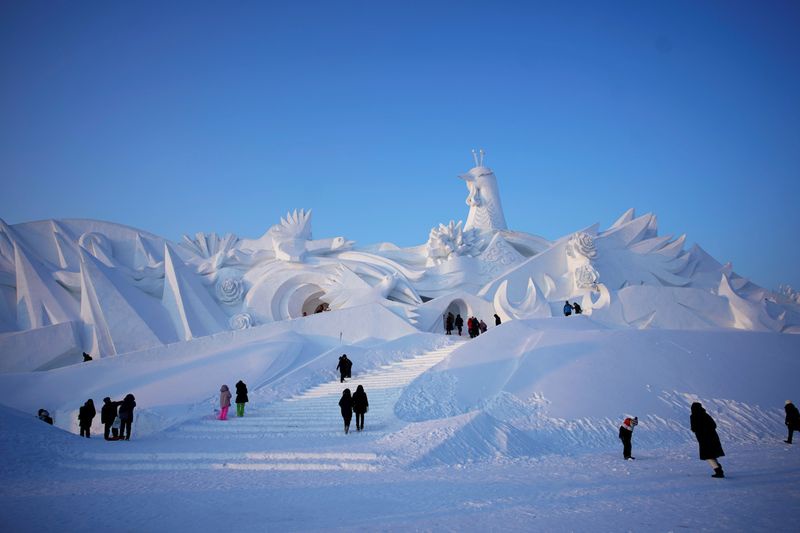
x=224, y=402
x=241, y=397
x=626, y=434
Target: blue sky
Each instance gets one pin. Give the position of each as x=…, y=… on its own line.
x=179, y=117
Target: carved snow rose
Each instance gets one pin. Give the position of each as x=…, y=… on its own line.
x=230, y=290
x=241, y=321
x=586, y=277
x=583, y=243
x=447, y=241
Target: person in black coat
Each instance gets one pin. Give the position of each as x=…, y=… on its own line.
x=360, y=406
x=792, y=419
x=626, y=436
x=448, y=323
x=496, y=319
x=44, y=416
x=705, y=429
x=107, y=416
x=85, y=416
x=346, y=405
x=344, y=367
x=459, y=324
x=578, y=310
x=241, y=397
x=126, y=416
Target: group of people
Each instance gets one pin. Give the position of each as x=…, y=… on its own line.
x=357, y=403
x=705, y=430
x=116, y=417
x=225, y=400
x=474, y=326
x=569, y=308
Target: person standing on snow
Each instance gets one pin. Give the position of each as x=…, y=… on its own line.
x=792, y=419
x=626, y=435
x=107, y=416
x=576, y=306
x=241, y=397
x=567, y=308
x=346, y=405
x=497, y=320
x=360, y=406
x=344, y=367
x=705, y=429
x=448, y=323
x=126, y=416
x=224, y=402
x=482, y=326
x=85, y=416
x=459, y=324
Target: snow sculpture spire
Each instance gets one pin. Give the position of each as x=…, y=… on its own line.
x=485, y=208
x=188, y=302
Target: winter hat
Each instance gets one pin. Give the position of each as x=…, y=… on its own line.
x=788, y=402
x=223, y=388
x=635, y=421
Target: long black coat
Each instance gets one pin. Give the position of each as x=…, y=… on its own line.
x=126, y=408
x=109, y=412
x=705, y=429
x=792, y=416
x=360, y=402
x=346, y=405
x=86, y=414
x=241, y=392
x=344, y=367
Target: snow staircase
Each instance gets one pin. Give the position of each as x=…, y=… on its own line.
x=316, y=410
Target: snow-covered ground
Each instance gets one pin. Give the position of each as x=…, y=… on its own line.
x=514, y=430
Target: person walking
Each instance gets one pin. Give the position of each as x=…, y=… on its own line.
x=705, y=429
x=496, y=320
x=567, y=308
x=576, y=306
x=224, y=402
x=360, y=406
x=344, y=367
x=85, y=416
x=448, y=323
x=126, y=416
x=108, y=413
x=241, y=397
x=346, y=406
x=792, y=419
x=626, y=435
x=459, y=324
x=482, y=327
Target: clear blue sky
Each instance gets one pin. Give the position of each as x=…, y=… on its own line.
x=178, y=117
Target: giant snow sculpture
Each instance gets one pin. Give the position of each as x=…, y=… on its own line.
x=81, y=285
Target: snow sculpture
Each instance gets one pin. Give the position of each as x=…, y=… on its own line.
x=230, y=290
x=586, y=277
x=193, y=312
x=241, y=321
x=291, y=239
x=451, y=240
x=531, y=306
x=485, y=208
x=124, y=289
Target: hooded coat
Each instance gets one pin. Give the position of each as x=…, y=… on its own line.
x=360, y=401
x=241, y=392
x=705, y=429
x=126, y=408
x=86, y=414
x=792, y=416
x=109, y=411
x=224, y=397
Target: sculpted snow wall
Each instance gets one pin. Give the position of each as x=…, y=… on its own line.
x=113, y=289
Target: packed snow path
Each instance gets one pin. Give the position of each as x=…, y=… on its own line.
x=316, y=410
x=277, y=437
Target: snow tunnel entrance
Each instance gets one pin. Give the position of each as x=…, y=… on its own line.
x=458, y=307
x=308, y=301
